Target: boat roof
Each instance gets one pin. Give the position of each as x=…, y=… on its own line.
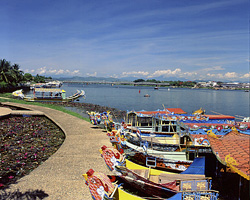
x=197, y=124
x=232, y=150
x=167, y=111
x=219, y=116
x=48, y=90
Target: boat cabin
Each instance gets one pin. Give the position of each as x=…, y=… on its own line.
x=49, y=94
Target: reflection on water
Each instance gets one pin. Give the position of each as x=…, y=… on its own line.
x=230, y=102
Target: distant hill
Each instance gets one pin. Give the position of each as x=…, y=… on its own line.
x=131, y=79
x=89, y=78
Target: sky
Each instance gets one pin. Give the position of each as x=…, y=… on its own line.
x=193, y=40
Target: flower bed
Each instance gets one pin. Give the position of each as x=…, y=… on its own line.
x=26, y=142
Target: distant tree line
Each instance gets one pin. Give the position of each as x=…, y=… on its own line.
x=171, y=83
x=11, y=76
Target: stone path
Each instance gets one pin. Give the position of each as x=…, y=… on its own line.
x=61, y=175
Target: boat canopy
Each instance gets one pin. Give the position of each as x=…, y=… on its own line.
x=49, y=90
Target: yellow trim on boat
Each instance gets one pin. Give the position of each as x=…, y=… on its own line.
x=131, y=165
x=122, y=195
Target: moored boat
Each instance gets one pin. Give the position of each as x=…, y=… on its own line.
x=103, y=187
x=159, y=184
x=53, y=95
x=18, y=94
x=113, y=157
x=103, y=120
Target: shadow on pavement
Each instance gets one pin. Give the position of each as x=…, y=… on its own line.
x=17, y=195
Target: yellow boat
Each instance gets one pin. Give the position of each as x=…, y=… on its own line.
x=199, y=112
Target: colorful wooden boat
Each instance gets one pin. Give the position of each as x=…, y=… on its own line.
x=103, y=120
x=167, y=123
x=113, y=157
x=160, y=184
x=101, y=187
x=53, y=95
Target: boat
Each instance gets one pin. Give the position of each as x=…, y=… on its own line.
x=199, y=112
x=165, y=122
x=53, y=95
x=155, y=162
x=51, y=84
x=175, y=157
x=18, y=94
x=159, y=184
x=103, y=187
x=102, y=120
x=146, y=95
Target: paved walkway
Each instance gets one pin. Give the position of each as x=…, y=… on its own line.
x=61, y=175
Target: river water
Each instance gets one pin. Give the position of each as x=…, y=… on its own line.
x=229, y=102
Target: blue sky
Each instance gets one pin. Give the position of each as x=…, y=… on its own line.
x=196, y=39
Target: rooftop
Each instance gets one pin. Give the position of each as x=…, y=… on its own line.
x=233, y=150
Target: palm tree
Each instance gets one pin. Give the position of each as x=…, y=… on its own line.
x=17, y=74
x=10, y=74
x=4, y=68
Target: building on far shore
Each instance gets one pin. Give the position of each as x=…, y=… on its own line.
x=217, y=85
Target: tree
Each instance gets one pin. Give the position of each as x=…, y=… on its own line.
x=10, y=75
x=28, y=77
x=39, y=79
x=139, y=80
x=4, y=68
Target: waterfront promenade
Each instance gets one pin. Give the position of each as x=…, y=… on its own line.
x=60, y=177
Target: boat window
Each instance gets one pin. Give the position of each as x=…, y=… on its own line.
x=172, y=129
x=145, y=121
x=165, y=122
x=165, y=128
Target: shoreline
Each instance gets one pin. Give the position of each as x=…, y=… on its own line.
x=84, y=107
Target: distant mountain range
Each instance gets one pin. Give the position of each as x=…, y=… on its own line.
x=129, y=79
x=89, y=78
x=92, y=78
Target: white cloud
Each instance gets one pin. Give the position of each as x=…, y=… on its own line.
x=45, y=71
x=134, y=73
x=61, y=71
x=41, y=70
x=246, y=75
x=75, y=72
x=231, y=75
x=189, y=74
x=216, y=76
x=94, y=74
x=31, y=71
x=214, y=68
x=165, y=73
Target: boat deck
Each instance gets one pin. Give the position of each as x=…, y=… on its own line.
x=166, y=178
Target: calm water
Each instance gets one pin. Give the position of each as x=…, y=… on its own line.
x=230, y=102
